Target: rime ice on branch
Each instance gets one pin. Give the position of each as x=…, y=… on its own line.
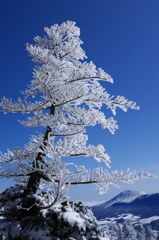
x=65, y=96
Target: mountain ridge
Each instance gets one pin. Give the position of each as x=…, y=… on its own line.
x=125, y=196
x=128, y=202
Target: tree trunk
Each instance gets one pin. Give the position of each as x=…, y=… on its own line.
x=35, y=177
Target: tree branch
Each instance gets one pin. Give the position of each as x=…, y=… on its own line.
x=88, y=78
x=71, y=100
x=65, y=135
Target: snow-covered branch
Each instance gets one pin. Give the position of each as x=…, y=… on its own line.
x=102, y=178
x=22, y=106
x=69, y=96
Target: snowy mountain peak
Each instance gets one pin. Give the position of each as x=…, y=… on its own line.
x=129, y=202
x=125, y=196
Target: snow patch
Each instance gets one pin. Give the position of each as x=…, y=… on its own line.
x=73, y=219
x=149, y=220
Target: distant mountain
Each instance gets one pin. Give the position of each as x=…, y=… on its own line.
x=128, y=202
x=126, y=196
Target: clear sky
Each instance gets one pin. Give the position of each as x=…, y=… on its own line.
x=122, y=37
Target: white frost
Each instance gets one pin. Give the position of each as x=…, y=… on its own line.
x=65, y=96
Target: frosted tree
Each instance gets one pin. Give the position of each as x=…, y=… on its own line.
x=128, y=231
x=65, y=96
x=149, y=233
x=140, y=231
x=113, y=232
x=120, y=234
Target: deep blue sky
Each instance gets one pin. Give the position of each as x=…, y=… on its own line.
x=122, y=37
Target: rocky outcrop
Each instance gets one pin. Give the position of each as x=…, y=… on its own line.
x=65, y=221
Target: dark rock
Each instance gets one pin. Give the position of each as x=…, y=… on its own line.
x=65, y=221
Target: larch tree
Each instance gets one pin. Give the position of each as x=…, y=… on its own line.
x=65, y=96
